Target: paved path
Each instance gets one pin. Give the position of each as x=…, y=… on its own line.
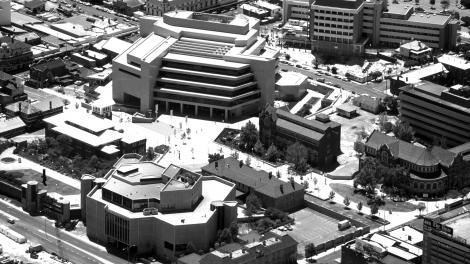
x=27, y=164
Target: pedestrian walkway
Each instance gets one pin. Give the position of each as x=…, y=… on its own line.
x=27, y=164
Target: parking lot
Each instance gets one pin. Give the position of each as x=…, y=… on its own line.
x=314, y=227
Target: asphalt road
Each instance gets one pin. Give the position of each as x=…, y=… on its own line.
x=374, y=89
x=38, y=230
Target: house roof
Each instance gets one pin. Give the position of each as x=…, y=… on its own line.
x=11, y=124
x=229, y=168
x=406, y=151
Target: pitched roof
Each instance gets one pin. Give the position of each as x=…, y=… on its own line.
x=229, y=168
x=406, y=151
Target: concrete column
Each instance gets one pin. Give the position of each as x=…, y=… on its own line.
x=195, y=110
x=210, y=112
x=181, y=108
x=226, y=115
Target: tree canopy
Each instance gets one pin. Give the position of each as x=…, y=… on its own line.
x=248, y=136
x=297, y=155
x=404, y=131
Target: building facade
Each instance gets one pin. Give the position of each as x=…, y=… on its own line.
x=272, y=248
x=435, y=111
x=336, y=27
x=11, y=89
x=347, y=26
x=156, y=210
x=160, y=7
x=320, y=136
x=33, y=113
x=285, y=196
x=430, y=170
x=93, y=135
x=446, y=236
x=14, y=54
x=196, y=64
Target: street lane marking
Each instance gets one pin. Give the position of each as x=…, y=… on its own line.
x=72, y=245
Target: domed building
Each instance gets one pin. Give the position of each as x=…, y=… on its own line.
x=431, y=170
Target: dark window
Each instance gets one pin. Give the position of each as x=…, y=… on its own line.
x=168, y=245
x=129, y=73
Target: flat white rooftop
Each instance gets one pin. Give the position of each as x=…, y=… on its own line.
x=212, y=190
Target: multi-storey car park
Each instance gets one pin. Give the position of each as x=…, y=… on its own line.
x=196, y=64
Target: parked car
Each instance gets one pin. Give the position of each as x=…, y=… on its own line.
x=337, y=85
x=11, y=220
x=322, y=80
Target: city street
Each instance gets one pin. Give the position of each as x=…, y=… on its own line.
x=40, y=230
x=374, y=89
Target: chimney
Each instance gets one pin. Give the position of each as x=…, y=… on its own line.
x=293, y=184
x=270, y=175
x=264, y=242
x=19, y=106
x=409, y=238
x=281, y=187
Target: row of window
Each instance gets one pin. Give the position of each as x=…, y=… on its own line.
x=404, y=31
x=333, y=25
x=208, y=101
x=407, y=38
x=333, y=32
x=328, y=12
x=334, y=19
x=408, y=25
x=332, y=39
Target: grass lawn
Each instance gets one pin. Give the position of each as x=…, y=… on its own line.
x=31, y=175
x=346, y=190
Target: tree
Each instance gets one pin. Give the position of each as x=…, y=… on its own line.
x=417, y=2
x=445, y=4
x=235, y=155
x=334, y=70
x=466, y=20
x=375, y=74
x=215, y=156
x=253, y=203
x=421, y=207
x=287, y=56
x=248, y=136
x=432, y=2
x=224, y=235
x=331, y=196
x=248, y=161
x=297, y=154
x=304, y=110
x=374, y=209
x=465, y=3
x=347, y=201
x=368, y=175
x=150, y=154
x=233, y=229
x=258, y=149
x=391, y=103
x=375, y=203
x=403, y=131
x=272, y=153
x=359, y=206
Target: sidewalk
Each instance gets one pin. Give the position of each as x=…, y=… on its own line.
x=27, y=164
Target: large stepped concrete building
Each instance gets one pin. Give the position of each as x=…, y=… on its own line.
x=196, y=64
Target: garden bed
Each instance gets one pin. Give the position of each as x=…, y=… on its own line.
x=8, y=160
